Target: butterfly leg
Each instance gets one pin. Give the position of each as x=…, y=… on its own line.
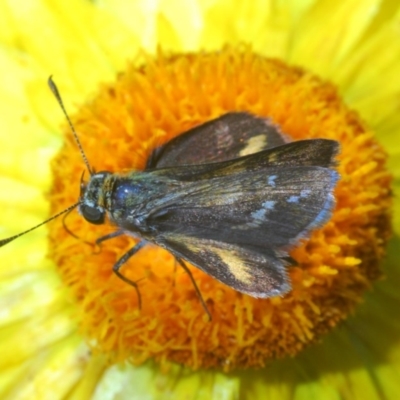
x=174, y=272
x=203, y=303
x=64, y=224
x=122, y=261
x=109, y=236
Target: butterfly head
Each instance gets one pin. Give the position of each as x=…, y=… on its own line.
x=92, y=198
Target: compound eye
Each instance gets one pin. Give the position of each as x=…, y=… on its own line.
x=92, y=214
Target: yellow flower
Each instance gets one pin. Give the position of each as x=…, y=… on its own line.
x=43, y=354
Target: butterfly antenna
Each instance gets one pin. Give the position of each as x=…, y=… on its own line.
x=57, y=95
x=11, y=238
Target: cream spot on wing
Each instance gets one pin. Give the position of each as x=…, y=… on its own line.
x=269, y=205
x=271, y=180
x=235, y=265
x=259, y=214
x=303, y=194
x=293, y=199
x=254, y=145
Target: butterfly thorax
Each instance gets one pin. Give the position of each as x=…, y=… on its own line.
x=131, y=199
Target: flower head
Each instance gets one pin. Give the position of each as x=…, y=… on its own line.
x=123, y=124
x=150, y=104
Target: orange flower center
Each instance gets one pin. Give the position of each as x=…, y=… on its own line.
x=149, y=105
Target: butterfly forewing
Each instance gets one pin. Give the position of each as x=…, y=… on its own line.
x=263, y=209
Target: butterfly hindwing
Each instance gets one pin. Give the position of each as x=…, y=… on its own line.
x=259, y=273
x=230, y=136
